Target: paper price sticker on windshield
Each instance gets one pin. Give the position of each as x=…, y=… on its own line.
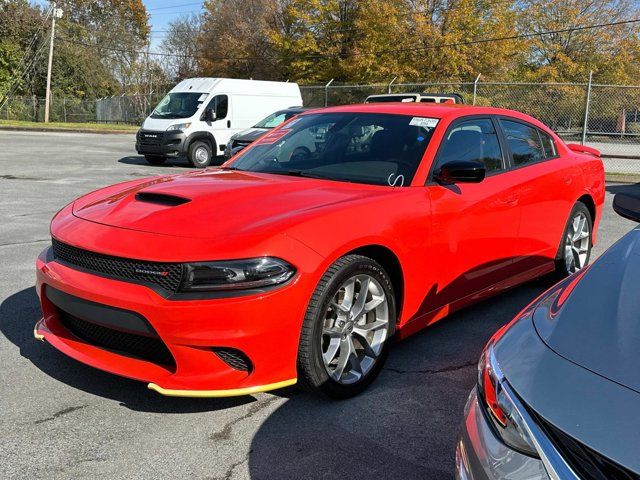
x=424, y=122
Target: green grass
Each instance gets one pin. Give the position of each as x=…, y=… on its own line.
x=98, y=127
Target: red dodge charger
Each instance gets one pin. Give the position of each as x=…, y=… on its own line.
x=300, y=258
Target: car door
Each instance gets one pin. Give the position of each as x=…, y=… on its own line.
x=220, y=127
x=546, y=183
x=475, y=225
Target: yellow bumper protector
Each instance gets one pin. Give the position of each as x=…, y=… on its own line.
x=234, y=392
x=36, y=335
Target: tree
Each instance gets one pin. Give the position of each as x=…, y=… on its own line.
x=234, y=41
x=21, y=37
x=181, y=44
x=611, y=52
x=114, y=30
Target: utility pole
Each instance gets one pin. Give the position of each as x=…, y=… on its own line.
x=56, y=13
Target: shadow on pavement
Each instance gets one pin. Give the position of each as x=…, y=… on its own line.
x=18, y=315
x=622, y=187
x=169, y=163
x=140, y=161
x=406, y=424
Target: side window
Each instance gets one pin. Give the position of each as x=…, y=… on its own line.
x=473, y=140
x=548, y=145
x=220, y=105
x=524, y=142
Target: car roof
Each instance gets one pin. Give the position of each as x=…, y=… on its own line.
x=437, y=110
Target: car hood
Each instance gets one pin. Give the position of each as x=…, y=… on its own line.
x=595, y=322
x=250, y=134
x=215, y=203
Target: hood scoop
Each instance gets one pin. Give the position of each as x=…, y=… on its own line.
x=161, y=199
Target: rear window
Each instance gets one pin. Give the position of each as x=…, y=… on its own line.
x=371, y=148
x=548, y=145
x=524, y=143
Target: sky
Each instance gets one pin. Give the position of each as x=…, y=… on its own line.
x=161, y=12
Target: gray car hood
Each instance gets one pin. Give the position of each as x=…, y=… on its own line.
x=250, y=134
x=596, y=322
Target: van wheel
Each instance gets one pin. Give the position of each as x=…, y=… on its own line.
x=200, y=154
x=155, y=159
x=347, y=329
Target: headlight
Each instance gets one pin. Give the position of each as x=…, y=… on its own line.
x=178, y=127
x=504, y=416
x=236, y=274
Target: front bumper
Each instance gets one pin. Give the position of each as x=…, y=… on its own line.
x=166, y=144
x=481, y=455
x=265, y=327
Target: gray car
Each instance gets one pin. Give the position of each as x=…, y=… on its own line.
x=243, y=139
x=558, y=392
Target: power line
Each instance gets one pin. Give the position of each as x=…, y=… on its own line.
x=365, y=53
x=175, y=6
x=174, y=13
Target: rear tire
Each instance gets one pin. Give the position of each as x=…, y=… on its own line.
x=155, y=159
x=200, y=154
x=574, y=250
x=346, y=336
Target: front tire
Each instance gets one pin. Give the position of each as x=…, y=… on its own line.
x=574, y=251
x=347, y=328
x=200, y=154
x=155, y=159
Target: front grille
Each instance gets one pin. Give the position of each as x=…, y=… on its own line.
x=150, y=138
x=165, y=275
x=151, y=349
x=585, y=462
x=234, y=358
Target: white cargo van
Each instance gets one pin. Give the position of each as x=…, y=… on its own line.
x=198, y=116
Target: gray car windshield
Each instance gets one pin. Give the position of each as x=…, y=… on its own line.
x=275, y=119
x=370, y=148
x=179, y=105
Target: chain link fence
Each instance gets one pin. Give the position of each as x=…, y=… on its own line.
x=612, y=112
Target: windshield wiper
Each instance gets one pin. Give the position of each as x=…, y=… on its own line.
x=295, y=173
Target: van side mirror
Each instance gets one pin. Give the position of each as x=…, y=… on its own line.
x=461, y=171
x=627, y=205
x=209, y=115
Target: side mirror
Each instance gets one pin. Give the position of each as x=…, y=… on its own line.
x=627, y=205
x=209, y=115
x=461, y=171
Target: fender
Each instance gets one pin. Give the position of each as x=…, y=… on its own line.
x=201, y=135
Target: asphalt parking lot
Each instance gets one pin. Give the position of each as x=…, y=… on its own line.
x=61, y=419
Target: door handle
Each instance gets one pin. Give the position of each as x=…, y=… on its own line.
x=228, y=123
x=509, y=201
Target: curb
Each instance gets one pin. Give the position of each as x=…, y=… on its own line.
x=65, y=130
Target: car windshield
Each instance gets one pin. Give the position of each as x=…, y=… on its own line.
x=179, y=105
x=371, y=148
x=275, y=119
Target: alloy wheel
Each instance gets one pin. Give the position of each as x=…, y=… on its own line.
x=577, y=243
x=355, y=327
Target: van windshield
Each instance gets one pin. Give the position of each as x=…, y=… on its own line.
x=179, y=105
x=378, y=149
